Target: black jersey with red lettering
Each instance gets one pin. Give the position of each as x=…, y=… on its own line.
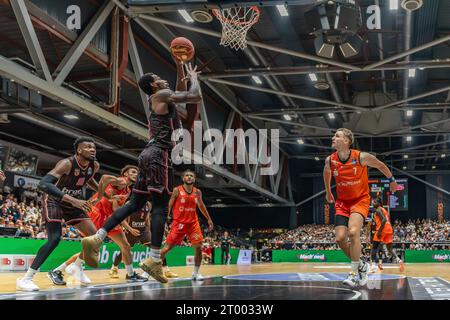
x=137, y=219
x=73, y=182
x=161, y=127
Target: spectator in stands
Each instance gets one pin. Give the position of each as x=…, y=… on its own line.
x=29, y=195
x=207, y=253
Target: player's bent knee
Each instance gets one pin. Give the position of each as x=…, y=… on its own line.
x=353, y=232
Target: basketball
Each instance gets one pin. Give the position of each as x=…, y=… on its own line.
x=182, y=48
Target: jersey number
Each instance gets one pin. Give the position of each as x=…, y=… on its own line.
x=354, y=170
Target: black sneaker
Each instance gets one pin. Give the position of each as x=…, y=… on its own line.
x=57, y=278
x=135, y=278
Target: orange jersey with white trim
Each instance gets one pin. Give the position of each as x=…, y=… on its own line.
x=105, y=206
x=352, y=181
x=387, y=226
x=185, y=206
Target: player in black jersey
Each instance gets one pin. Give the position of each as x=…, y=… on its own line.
x=63, y=200
x=155, y=166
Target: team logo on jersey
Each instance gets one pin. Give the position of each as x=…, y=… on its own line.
x=335, y=173
x=76, y=172
x=80, y=182
x=354, y=162
x=181, y=209
x=180, y=226
x=89, y=171
x=183, y=200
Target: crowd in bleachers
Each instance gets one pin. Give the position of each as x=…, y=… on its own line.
x=25, y=216
x=420, y=234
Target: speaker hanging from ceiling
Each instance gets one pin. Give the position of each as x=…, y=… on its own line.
x=335, y=24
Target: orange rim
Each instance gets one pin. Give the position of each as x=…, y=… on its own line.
x=219, y=16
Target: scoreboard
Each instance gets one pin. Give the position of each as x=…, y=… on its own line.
x=395, y=201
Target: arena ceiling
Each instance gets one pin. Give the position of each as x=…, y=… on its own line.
x=372, y=93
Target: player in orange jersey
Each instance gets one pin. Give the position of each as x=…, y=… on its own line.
x=349, y=169
x=383, y=233
x=184, y=201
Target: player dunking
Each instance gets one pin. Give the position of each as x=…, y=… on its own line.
x=155, y=167
x=184, y=202
x=137, y=230
x=383, y=233
x=349, y=169
x=112, y=194
x=63, y=200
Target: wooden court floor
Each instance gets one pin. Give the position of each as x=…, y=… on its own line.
x=98, y=277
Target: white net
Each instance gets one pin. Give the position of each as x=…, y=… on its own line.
x=236, y=22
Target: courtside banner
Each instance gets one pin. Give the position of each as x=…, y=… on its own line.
x=427, y=256
x=308, y=256
x=12, y=249
x=245, y=257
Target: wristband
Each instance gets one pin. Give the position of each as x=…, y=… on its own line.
x=391, y=179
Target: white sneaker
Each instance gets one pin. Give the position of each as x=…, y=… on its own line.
x=145, y=275
x=197, y=277
x=352, y=280
x=362, y=271
x=373, y=268
x=26, y=285
x=78, y=273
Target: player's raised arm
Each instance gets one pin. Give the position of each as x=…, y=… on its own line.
x=371, y=161
x=105, y=180
x=191, y=96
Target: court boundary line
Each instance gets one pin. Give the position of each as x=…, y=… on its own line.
x=227, y=277
x=355, y=297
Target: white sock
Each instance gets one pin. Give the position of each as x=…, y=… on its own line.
x=101, y=234
x=79, y=263
x=30, y=274
x=61, y=268
x=361, y=263
x=355, y=265
x=129, y=268
x=155, y=254
x=196, y=268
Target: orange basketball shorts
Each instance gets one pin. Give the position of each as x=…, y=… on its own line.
x=179, y=230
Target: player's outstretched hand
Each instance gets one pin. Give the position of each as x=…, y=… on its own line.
x=134, y=232
x=393, y=186
x=210, y=225
x=81, y=204
x=330, y=197
x=192, y=71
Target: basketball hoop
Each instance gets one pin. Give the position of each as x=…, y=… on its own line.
x=236, y=21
